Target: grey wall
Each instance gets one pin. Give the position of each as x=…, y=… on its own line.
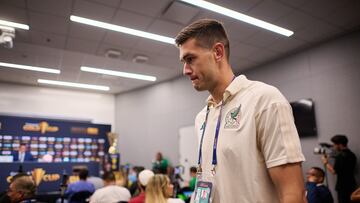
x=148, y=120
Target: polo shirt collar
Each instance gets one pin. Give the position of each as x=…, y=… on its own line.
x=235, y=86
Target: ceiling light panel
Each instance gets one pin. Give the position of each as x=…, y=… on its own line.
x=239, y=16
x=72, y=84
x=14, y=25
x=118, y=73
x=122, y=29
x=32, y=68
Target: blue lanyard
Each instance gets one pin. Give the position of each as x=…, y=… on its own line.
x=214, y=160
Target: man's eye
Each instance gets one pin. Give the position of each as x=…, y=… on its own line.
x=189, y=60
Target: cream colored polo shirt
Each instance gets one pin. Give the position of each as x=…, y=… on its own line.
x=257, y=132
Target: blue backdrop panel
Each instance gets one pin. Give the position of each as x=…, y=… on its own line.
x=52, y=170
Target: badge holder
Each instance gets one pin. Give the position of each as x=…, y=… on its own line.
x=204, y=192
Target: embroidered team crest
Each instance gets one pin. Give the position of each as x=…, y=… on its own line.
x=232, y=119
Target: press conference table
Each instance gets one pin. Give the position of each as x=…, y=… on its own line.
x=52, y=176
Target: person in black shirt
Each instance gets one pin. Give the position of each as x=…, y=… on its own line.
x=344, y=166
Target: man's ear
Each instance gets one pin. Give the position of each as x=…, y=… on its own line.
x=219, y=51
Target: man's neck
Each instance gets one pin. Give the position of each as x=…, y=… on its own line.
x=218, y=92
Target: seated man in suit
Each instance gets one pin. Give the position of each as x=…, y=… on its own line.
x=22, y=154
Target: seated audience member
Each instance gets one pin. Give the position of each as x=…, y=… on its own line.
x=159, y=189
x=133, y=180
x=110, y=193
x=143, y=179
x=355, y=196
x=80, y=186
x=22, y=154
x=21, y=188
x=192, y=181
x=317, y=192
x=96, y=181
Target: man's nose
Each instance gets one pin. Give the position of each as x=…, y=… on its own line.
x=186, y=69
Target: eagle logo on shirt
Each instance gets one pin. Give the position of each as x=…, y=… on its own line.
x=232, y=119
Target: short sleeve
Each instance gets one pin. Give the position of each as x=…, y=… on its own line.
x=277, y=136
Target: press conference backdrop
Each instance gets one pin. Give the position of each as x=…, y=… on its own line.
x=67, y=141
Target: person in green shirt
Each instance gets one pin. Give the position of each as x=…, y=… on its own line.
x=160, y=164
x=192, y=182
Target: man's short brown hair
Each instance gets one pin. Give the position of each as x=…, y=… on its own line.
x=207, y=32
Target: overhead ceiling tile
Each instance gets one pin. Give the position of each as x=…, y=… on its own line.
x=22, y=36
x=239, y=6
x=269, y=11
x=322, y=8
x=170, y=51
x=93, y=11
x=205, y=14
x=94, y=61
x=47, y=39
x=240, y=31
x=165, y=28
x=92, y=33
x=263, y=38
x=111, y=3
x=88, y=78
x=172, y=63
x=81, y=45
x=131, y=20
x=71, y=61
x=295, y=20
x=180, y=12
x=150, y=46
x=316, y=31
x=120, y=39
x=55, y=7
x=13, y=14
x=18, y=3
x=147, y=6
x=293, y=3
x=104, y=48
x=48, y=23
x=346, y=16
x=68, y=76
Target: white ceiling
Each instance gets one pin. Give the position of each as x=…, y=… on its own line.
x=56, y=42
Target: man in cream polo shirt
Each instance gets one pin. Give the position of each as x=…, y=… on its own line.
x=249, y=147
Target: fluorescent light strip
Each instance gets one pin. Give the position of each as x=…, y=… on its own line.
x=240, y=16
x=33, y=68
x=72, y=84
x=118, y=73
x=122, y=29
x=14, y=25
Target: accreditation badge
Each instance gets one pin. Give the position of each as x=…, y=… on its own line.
x=204, y=192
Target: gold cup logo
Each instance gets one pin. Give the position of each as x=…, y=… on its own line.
x=38, y=174
x=43, y=127
x=112, y=137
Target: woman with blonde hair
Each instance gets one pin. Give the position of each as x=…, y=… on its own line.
x=159, y=190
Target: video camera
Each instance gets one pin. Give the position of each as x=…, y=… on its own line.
x=325, y=148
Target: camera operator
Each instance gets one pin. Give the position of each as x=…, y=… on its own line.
x=344, y=165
